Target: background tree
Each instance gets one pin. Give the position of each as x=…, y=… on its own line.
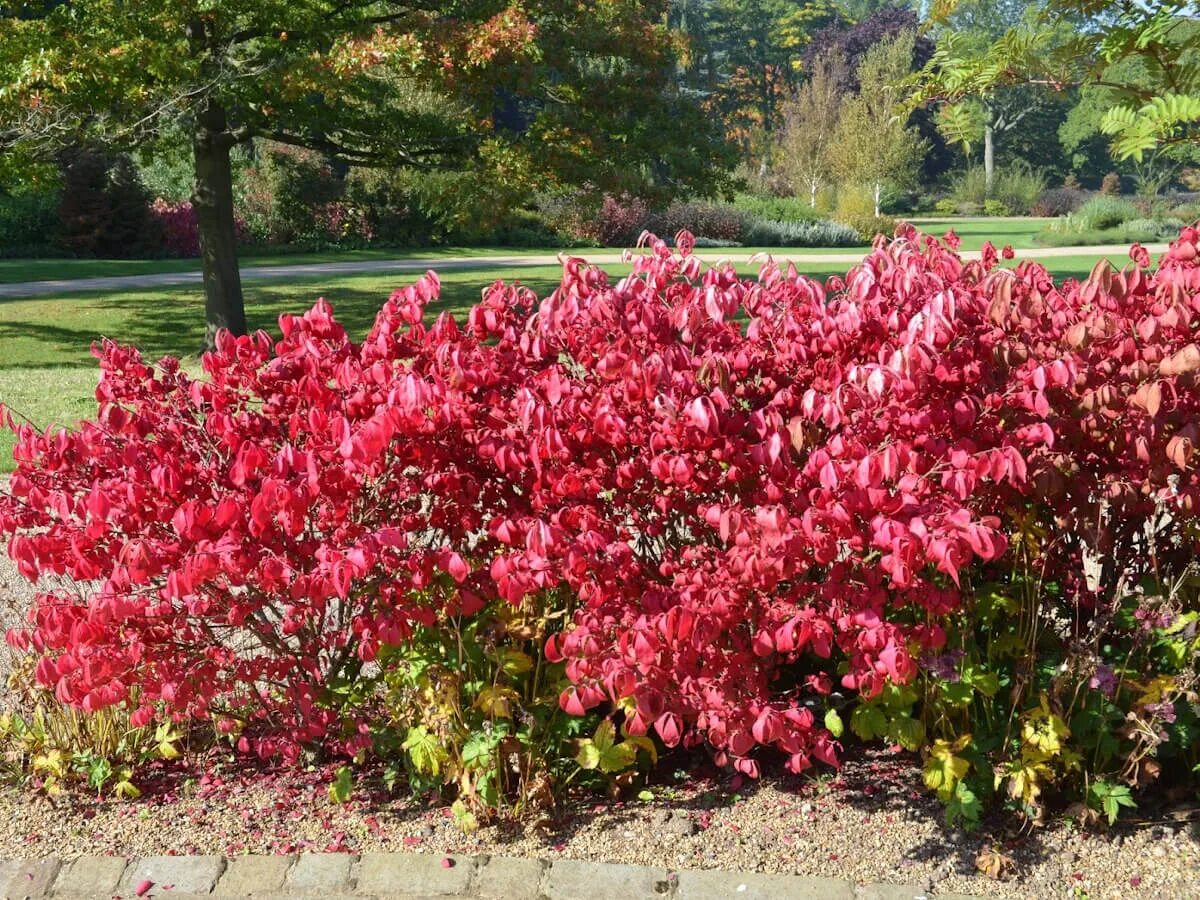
x=961, y=124
x=1073, y=43
x=873, y=144
x=754, y=62
x=972, y=28
x=365, y=82
x=1084, y=124
x=810, y=118
x=851, y=37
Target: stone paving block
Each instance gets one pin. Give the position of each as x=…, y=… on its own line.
x=573, y=879
x=891, y=892
x=31, y=878
x=254, y=875
x=508, y=878
x=420, y=874
x=321, y=873
x=90, y=876
x=716, y=885
x=8, y=868
x=185, y=874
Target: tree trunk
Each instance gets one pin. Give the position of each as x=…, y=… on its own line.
x=878, y=195
x=212, y=198
x=989, y=157
x=812, y=193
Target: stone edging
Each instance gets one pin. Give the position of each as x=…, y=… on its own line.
x=411, y=875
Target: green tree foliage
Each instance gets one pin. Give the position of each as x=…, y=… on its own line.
x=807, y=156
x=1087, y=122
x=546, y=92
x=970, y=29
x=752, y=59
x=1144, y=54
x=962, y=125
x=874, y=146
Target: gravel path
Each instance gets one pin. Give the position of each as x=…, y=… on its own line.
x=870, y=823
x=451, y=263
x=16, y=594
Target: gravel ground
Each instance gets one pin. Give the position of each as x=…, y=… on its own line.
x=869, y=823
x=16, y=593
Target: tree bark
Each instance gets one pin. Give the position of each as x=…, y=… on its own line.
x=812, y=193
x=989, y=157
x=212, y=198
x=878, y=196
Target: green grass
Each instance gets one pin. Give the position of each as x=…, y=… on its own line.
x=973, y=231
x=48, y=374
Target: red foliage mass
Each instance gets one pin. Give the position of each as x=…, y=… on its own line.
x=744, y=483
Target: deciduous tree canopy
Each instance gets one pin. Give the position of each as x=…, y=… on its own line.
x=547, y=91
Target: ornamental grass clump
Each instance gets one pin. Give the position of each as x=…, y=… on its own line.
x=708, y=502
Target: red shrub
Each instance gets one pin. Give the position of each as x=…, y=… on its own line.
x=180, y=231
x=710, y=220
x=620, y=221
x=181, y=234
x=739, y=507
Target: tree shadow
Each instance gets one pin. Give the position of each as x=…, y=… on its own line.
x=162, y=323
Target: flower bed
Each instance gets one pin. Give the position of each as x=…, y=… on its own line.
x=953, y=500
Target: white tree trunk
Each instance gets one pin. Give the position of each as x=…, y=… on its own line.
x=989, y=157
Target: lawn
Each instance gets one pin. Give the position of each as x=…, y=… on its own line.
x=48, y=374
x=973, y=231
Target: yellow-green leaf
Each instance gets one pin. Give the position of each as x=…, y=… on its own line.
x=943, y=769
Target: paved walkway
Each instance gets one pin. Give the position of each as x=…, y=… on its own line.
x=452, y=263
x=412, y=875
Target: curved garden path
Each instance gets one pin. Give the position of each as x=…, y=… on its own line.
x=450, y=263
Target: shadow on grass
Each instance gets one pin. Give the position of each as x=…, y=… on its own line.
x=41, y=334
x=172, y=322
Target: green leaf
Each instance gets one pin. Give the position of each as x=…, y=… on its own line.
x=427, y=755
x=125, y=790
x=588, y=756
x=605, y=736
x=987, y=683
x=964, y=806
x=833, y=722
x=868, y=721
x=907, y=732
x=1110, y=798
x=957, y=693
x=342, y=786
x=463, y=817
x=642, y=742
x=601, y=752
x=99, y=772
x=164, y=739
x=617, y=758
x=514, y=662
x=944, y=769
x=479, y=750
